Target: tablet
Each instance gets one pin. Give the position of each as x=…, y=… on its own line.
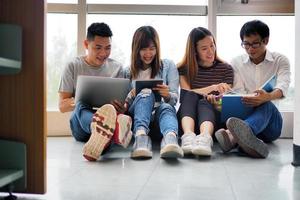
x=141, y=84
x=97, y=91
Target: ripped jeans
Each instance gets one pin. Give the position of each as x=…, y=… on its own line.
x=141, y=109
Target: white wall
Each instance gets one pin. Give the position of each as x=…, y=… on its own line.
x=297, y=74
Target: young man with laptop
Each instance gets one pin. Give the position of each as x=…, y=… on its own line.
x=98, y=129
x=251, y=70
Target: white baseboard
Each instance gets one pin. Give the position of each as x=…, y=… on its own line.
x=58, y=124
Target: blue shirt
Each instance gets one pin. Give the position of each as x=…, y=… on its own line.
x=169, y=74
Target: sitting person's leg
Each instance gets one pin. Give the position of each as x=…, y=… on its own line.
x=165, y=115
x=80, y=122
x=266, y=124
x=187, y=117
x=207, y=120
x=257, y=125
x=141, y=110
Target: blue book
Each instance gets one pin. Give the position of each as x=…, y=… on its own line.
x=269, y=85
x=232, y=105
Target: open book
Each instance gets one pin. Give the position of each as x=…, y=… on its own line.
x=269, y=85
x=232, y=105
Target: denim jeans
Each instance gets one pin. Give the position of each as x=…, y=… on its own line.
x=141, y=110
x=80, y=122
x=266, y=122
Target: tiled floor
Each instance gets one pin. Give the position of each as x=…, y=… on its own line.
x=116, y=176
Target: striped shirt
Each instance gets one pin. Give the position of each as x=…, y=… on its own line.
x=207, y=76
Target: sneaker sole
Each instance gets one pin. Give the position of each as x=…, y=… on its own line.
x=223, y=141
x=123, y=134
x=141, y=153
x=201, y=152
x=103, y=126
x=246, y=139
x=171, y=151
x=187, y=150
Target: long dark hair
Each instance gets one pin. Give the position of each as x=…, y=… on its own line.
x=190, y=58
x=142, y=38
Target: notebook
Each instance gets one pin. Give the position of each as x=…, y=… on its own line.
x=232, y=105
x=141, y=84
x=269, y=85
x=97, y=91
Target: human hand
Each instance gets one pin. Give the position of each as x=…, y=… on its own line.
x=121, y=108
x=133, y=92
x=222, y=87
x=216, y=101
x=259, y=98
x=67, y=104
x=163, y=90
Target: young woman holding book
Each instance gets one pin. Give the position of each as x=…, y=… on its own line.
x=203, y=76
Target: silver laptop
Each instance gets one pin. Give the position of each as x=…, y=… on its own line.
x=97, y=91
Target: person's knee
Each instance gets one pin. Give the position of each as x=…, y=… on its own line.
x=190, y=94
x=146, y=92
x=270, y=106
x=167, y=107
x=77, y=132
x=203, y=102
x=80, y=137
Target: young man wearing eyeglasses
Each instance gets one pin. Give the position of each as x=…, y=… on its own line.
x=251, y=70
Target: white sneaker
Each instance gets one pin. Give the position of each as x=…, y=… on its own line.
x=187, y=141
x=202, y=145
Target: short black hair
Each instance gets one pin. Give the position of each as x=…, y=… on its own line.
x=98, y=29
x=255, y=27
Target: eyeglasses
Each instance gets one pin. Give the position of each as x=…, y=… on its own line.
x=254, y=45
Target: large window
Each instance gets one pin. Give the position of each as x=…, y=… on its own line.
x=282, y=40
x=144, y=2
x=63, y=1
x=173, y=19
x=61, y=47
x=173, y=32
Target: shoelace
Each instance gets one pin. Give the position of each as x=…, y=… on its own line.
x=142, y=141
x=188, y=141
x=170, y=139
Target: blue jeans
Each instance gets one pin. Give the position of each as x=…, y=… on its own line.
x=266, y=122
x=80, y=122
x=141, y=110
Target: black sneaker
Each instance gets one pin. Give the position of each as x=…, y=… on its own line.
x=253, y=146
x=142, y=147
x=169, y=147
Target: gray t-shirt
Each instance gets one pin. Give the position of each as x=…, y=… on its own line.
x=78, y=66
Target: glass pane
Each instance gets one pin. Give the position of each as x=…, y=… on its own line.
x=61, y=47
x=229, y=38
x=156, y=2
x=173, y=32
x=63, y=1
